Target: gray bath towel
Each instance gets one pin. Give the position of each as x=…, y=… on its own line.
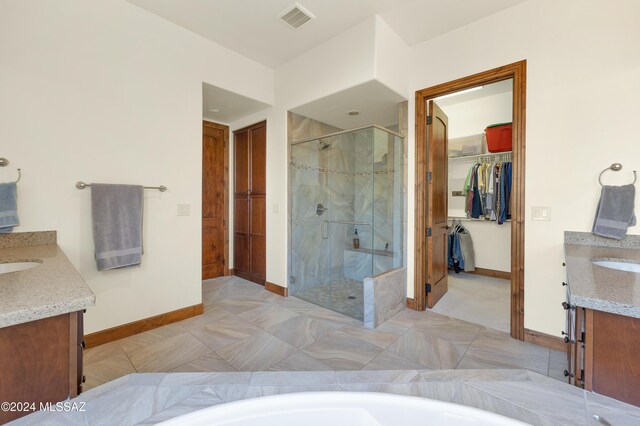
x=8, y=207
x=117, y=224
x=615, y=211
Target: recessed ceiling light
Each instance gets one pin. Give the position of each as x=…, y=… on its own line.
x=214, y=109
x=353, y=112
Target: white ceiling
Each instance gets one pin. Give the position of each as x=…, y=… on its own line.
x=504, y=86
x=232, y=106
x=250, y=27
x=376, y=102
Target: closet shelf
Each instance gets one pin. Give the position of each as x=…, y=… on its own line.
x=463, y=158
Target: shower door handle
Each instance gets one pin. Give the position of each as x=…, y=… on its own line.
x=324, y=230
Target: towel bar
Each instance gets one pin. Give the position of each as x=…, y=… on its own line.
x=82, y=185
x=616, y=167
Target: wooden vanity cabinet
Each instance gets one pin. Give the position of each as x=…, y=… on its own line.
x=40, y=362
x=603, y=354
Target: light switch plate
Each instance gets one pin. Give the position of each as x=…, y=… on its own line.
x=541, y=213
x=276, y=208
x=184, y=209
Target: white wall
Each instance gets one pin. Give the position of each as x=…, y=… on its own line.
x=103, y=91
x=583, y=64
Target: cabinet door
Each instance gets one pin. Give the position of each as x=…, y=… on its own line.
x=241, y=162
x=258, y=238
x=258, y=155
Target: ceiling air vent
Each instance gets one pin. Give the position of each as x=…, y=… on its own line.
x=295, y=16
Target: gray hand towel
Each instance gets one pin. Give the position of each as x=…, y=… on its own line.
x=615, y=211
x=116, y=211
x=8, y=207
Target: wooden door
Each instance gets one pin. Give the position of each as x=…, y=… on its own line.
x=437, y=204
x=257, y=200
x=215, y=243
x=250, y=203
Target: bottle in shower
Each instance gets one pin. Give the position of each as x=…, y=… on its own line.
x=356, y=240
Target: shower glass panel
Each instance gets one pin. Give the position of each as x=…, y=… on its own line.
x=341, y=183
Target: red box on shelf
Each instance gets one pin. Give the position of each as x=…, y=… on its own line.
x=499, y=137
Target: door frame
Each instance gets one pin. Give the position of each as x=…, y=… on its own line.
x=225, y=129
x=517, y=71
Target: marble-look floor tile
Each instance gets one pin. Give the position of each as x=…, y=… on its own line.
x=168, y=354
x=294, y=378
x=300, y=361
x=206, y=379
x=542, y=400
x=256, y=353
x=474, y=397
x=228, y=330
x=462, y=375
x=382, y=337
x=238, y=305
x=371, y=376
x=302, y=330
x=557, y=364
x=494, y=349
x=429, y=350
x=156, y=335
x=407, y=318
x=343, y=352
x=390, y=361
x=268, y=316
x=210, y=362
x=112, y=364
x=197, y=401
x=296, y=305
x=133, y=404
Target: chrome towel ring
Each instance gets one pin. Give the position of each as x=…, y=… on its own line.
x=616, y=167
x=4, y=163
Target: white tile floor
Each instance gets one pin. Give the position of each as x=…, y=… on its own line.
x=477, y=299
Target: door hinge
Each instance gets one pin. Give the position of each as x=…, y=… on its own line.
x=427, y=288
x=429, y=177
x=429, y=119
x=428, y=232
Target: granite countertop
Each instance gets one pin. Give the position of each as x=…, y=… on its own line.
x=50, y=289
x=597, y=287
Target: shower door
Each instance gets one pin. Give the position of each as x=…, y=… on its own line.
x=350, y=183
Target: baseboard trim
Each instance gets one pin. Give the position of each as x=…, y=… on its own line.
x=119, y=332
x=411, y=303
x=491, y=273
x=546, y=340
x=275, y=288
x=230, y=273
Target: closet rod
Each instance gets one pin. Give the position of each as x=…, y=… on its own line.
x=481, y=156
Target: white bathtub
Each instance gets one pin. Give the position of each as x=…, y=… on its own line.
x=340, y=408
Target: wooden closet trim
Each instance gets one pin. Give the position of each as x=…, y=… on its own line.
x=224, y=128
x=517, y=71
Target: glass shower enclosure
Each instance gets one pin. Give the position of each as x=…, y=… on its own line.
x=344, y=186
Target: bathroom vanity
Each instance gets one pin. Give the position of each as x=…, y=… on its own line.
x=603, y=315
x=42, y=298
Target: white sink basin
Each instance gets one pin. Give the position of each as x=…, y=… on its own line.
x=17, y=266
x=620, y=266
x=340, y=408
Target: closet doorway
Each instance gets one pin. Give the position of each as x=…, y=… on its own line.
x=443, y=207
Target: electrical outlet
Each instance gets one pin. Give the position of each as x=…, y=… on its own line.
x=184, y=209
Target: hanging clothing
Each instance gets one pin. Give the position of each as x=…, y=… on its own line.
x=461, y=255
x=488, y=191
